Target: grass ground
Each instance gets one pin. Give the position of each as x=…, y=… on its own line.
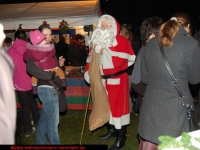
x=70, y=130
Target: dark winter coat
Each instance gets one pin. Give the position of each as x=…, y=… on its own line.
x=76, y=54
x=162, y=112
x=62, y=50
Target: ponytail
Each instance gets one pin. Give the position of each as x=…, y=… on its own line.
x=166, y=33
x=169, y=29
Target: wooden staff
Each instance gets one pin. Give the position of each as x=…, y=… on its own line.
x=85, y=115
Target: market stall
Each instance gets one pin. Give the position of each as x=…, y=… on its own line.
x=77, y=92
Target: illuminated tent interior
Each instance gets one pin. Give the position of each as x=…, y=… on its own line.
x=31, y=15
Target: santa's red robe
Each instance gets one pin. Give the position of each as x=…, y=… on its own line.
x=115, y=59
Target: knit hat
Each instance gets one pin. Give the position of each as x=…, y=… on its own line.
x=36, y=37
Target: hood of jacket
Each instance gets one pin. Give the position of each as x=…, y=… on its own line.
x=39, y=52
x=19, y=46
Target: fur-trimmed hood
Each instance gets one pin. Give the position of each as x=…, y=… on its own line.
x=19, y=47
x=46, y=47
x=43, y=55
x=39, y=52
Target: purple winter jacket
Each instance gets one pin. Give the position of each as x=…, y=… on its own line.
x=22, y=81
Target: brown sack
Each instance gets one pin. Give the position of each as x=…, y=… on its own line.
x=100, y=113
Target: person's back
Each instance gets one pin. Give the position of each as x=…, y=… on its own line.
x=22, y=83
x=16, y=52
x=162, y=107
x=62, y=49
x=75, y=50
x=178, y=55
x=150, y=26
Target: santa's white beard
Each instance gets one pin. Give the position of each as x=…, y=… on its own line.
x=102, y=37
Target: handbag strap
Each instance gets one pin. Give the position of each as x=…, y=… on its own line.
x=174, y=81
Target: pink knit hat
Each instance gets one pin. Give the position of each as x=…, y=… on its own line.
x=36, y=37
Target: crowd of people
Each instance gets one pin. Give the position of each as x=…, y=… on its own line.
x=120, y=63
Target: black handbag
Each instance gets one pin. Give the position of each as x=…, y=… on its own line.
x=193, y=112
x=61, y=97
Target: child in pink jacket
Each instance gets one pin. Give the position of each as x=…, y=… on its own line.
x=43, y=55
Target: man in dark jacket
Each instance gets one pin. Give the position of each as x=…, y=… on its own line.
x=76, y=52
x=62, y=49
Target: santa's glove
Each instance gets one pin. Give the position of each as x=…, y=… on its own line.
x=34, y=90
x=64, y=84
x=98, y=49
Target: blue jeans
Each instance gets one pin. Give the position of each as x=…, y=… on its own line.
x=49, y=117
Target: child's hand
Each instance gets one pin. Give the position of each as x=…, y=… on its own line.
x=61, y=61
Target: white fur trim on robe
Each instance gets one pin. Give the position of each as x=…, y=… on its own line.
x=98, y=48
x=113, y=81
x=108, y=54
x=115, y=42
x=107, y=59
x=131, y=60
x=87, y=77
x=121, y=121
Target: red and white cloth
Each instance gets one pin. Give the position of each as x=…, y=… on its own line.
x=115, y=58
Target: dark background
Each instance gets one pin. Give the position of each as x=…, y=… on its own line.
x=135, y=11
x=131, y=13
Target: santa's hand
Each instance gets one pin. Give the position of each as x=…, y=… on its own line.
x=99, y=49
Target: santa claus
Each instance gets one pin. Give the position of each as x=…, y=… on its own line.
x=114, y=55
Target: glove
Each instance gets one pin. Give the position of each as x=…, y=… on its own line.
x=98, y=48
x=34, y=90
x=64, y=84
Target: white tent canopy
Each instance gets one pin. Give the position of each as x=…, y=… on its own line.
x=32, y=15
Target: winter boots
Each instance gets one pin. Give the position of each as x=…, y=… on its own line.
x=119, y=143
x=120, y=136
x=112, y=133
